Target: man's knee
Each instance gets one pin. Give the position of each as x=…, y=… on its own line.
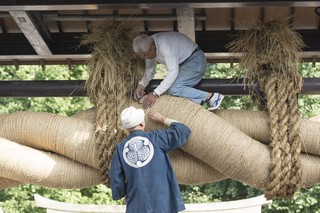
x=174, y=90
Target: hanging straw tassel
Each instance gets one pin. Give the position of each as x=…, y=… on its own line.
x=114, y=72
x=270, y=57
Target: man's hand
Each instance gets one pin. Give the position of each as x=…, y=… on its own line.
x=149, y=100
x=138, y=93
x=156, y=116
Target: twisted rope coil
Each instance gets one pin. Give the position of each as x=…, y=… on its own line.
x=285, y=172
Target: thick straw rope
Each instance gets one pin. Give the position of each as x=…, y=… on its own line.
x=294, y=125
x=285, y=172
x=104, y=140
x=271, y=57
x=114, y=71
x=223, y=148
x=110, y=64
x=73, y=162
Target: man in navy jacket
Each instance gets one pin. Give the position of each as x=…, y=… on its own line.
x=141, y=170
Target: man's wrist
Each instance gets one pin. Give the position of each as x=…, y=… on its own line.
x=155, y=94
x=140, y=86
x=169, y=121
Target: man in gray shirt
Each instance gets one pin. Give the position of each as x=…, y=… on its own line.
x=185, y=62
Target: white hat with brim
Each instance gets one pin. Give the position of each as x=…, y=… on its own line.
x=131, y=117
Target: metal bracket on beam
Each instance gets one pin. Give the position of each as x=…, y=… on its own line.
x=314, y=61
x=69, y=62
x=30, y=31
x=16, y=64
x=43, y=65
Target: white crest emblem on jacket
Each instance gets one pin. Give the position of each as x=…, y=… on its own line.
x=138, y=151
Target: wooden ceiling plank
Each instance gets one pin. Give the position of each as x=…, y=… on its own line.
x=40, y=5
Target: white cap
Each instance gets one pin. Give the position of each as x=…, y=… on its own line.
x=131, y=117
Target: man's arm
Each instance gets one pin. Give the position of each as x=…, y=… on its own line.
x=173, y=137
x=149, y=73
x=172, y=64
x=117, y=178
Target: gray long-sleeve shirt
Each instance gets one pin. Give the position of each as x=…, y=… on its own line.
x=172, y=48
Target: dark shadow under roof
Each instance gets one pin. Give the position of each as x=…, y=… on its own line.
x=48, y=32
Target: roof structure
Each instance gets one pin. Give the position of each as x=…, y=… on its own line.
x=37, y=32
x=49, y=32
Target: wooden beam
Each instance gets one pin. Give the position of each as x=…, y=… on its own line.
x=186, y=24
x=76, y=88
x=30, y=31
x=54, y=5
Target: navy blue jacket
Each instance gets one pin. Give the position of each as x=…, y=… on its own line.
x=142, y=170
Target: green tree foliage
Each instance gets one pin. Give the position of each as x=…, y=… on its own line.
x=20, y=199
x=58, y=105
x=309, y=104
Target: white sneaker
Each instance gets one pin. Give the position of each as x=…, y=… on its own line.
x=215, y=101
